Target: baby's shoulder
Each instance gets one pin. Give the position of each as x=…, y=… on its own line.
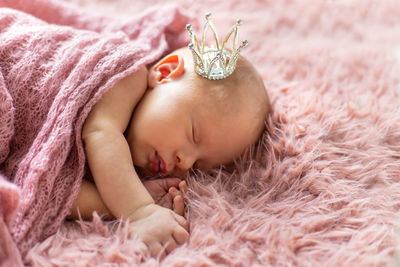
x=135, y=81
x=130, y=88
x=116, y=106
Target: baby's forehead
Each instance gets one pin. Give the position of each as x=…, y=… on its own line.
x=227, y=98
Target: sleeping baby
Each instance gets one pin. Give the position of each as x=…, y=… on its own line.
x=198, y=107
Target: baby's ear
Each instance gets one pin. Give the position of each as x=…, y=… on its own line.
x=168, y=68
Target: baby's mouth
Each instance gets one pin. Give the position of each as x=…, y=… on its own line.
x=157, y=164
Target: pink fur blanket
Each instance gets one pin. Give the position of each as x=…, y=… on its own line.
x=50, y=77
x=323, y=188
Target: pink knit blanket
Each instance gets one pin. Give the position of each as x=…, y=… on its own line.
x=55, y=63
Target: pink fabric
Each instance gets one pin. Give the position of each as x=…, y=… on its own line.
x=324, y=188
x=50, y=78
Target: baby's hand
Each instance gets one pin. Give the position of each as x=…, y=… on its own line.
x=168, y=192
x=161, y=229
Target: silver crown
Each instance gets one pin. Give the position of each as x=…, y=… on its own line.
x=215, y=63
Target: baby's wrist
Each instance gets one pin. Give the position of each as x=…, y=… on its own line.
x=143, y=211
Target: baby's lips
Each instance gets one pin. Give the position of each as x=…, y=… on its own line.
x=154, y=163
x=163, y=165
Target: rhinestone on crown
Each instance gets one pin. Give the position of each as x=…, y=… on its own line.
x=215, y=62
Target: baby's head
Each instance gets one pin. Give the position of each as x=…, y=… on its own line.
x=185, y=120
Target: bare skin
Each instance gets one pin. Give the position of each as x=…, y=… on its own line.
x=117, y=183
x=166, y=192
x=165, y=121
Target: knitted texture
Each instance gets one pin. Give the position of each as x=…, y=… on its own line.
x=50, y=77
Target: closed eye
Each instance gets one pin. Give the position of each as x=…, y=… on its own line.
x=195, y=132
x=194, y=135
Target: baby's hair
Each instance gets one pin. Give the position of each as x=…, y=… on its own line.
x=242, y=92
x=244, y=88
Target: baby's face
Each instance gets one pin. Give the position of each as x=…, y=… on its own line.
x=177, y=126
x=175, y=129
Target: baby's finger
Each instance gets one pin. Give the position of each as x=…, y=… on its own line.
x=180, y=235
x=143, y=248
x=170, y=245
x=167, y=202
x=157, y=251
x=173, y=192
x=183, y=187
x=181, y=221
x=179, y=206
x=170, y=182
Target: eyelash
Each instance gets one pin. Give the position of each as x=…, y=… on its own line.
x=194, y=136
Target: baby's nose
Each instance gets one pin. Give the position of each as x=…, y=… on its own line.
x=184, y=162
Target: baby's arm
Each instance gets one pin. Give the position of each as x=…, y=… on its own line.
x=107, y=150
x=110, y=162
x=167, y=192
x=88, y=201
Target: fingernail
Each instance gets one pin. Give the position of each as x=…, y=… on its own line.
x=172, y=190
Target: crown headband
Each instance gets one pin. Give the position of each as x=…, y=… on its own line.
x=215, y=63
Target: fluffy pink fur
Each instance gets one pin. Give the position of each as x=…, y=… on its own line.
x=323, y=187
